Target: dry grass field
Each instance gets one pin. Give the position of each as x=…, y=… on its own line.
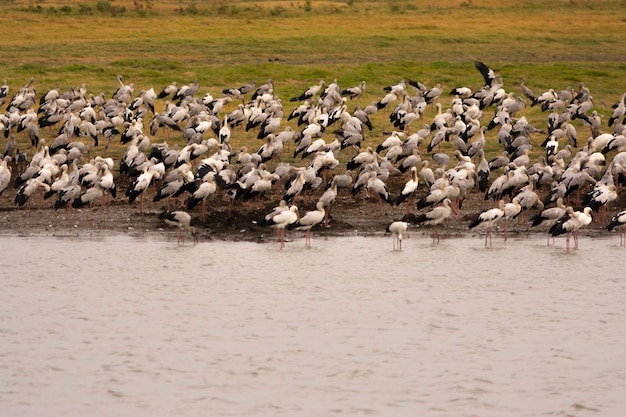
x=297, y=43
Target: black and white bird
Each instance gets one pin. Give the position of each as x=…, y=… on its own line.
x=203, y=189
x=310, y=220
x=182, y=220
x=488, y=74
x=434, y=217
x=29, y=188
x=282, y=220
x=5, y=173
x=354, y=92
x=570, y=224
x=310, y=92
x=619, y=221
x=487, y=219
x=139, y=186
x=511, y=210
x=88, y=197
x=409, y=189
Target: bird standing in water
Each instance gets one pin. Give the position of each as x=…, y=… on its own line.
x=182, y=220
x=397, y=229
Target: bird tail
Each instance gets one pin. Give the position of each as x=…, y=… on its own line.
x=166, y=215
x=401, y=198
x=192, y=202
x=59, y=203
x=612, y=224
x=557, y=229
x=78, y=202
x=474, y=222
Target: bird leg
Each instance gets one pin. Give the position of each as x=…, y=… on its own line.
x=506, y=221
x=282, y=238
x=436, y=234
x=488, y=235
x=456, y=208
x=230, y=208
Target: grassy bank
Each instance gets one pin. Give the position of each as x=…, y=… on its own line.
x=223, y=44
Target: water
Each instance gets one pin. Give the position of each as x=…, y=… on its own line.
x=142, y=327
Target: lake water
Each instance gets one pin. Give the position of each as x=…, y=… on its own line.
x=127, y=326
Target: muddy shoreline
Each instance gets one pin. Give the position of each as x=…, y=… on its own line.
x=349, y=215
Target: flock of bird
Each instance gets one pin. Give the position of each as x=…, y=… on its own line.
x=443, y=155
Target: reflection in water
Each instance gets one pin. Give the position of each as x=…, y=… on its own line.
x=142, y=327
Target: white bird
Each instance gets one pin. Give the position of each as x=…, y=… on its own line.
x=570, y=223
x=397, y=229
x=487, y=219
x=511, y=210
x=309, y=220
x=282, y=220
x=182, y=220
x=5, y=173
x=106, y=182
